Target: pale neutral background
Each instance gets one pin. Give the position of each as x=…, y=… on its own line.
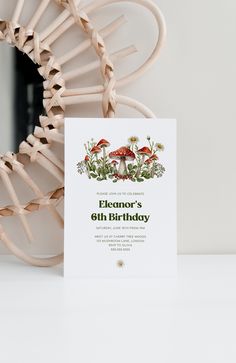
x=194, y=81
x=45, y=318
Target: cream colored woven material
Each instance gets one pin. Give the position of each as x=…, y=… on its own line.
x=57, y=97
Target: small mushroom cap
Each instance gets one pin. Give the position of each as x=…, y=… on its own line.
x=154, y=157
x=144, y=151
x=96, y=150
x=122, y=152
x=103, y=143
x=86, y=158
x=114, y=162
x=148, y=161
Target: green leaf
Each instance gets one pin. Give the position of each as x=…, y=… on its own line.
x=140, y=180
x=93, y=175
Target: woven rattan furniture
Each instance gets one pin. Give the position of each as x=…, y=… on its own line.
x=38, y=146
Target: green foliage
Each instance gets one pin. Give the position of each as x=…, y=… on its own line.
x=100, y=167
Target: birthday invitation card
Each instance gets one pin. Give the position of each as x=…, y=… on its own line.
x=120, y=197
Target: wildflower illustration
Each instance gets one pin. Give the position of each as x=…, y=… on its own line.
x=129, y=162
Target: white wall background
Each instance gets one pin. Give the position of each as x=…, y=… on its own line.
x=194, y=81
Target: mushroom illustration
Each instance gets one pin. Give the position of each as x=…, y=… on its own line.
x=114, y=163
x=103, y=144
x=153, y=158
x=148, y=161
x=122, y=154
x=95, y=151
x=86, y=160
x=151, y=161
x=144, y=151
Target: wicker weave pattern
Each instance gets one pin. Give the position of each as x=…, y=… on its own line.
x=56, y=97
x=34, y=205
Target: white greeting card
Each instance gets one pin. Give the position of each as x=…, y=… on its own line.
x=120, y=197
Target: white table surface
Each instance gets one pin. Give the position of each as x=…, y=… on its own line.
x=45, y=318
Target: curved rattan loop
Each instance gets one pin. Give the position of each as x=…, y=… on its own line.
x=57, y=97
x=107, y=67
x=160, y=20
x=19, y=36
x=109, y=98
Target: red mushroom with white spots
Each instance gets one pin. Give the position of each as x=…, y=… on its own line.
x=154, y=157
x=150, y=161
x=95, y=151
x=123, y=154
x=86, y=160
x=103, y=144
x=143, y=152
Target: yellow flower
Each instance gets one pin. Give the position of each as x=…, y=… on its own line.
x=133, y=139
x=160, y=147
